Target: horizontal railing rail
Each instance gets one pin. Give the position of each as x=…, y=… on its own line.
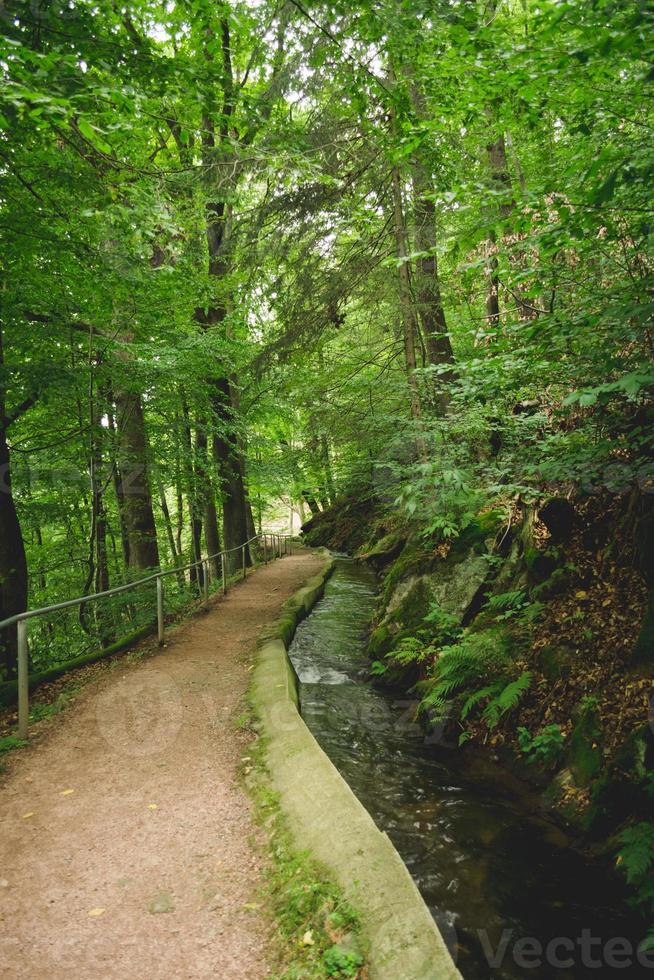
x=274, y=545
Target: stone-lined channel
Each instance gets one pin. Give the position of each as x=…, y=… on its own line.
x=484, y=870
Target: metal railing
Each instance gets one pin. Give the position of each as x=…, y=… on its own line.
x=273, y=546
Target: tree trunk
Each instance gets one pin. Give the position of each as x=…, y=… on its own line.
x=196, y=575
x=327, y=466
x=168, y=524
x=135, y=491
x=232, y=489
x=312, y=503
x=118, y=484
x=13, y=563
x=203, y=467
x=431, y=312
x=409, y=322
x=427, y=283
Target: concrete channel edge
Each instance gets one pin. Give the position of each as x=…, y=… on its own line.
x=327, y=819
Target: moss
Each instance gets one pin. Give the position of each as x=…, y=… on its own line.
x=414, y=606
x=561, y=580
x=415, y=558
x=380, y=642
x=584, y=750
x=541, y=565
x=477, y=533
x=302, y=895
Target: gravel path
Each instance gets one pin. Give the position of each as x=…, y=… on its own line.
x=128, y=847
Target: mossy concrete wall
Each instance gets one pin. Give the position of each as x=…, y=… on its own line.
x=329, y=821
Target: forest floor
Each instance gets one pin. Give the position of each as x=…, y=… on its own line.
x=129, y=847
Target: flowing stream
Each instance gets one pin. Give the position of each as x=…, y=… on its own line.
x=485, y=871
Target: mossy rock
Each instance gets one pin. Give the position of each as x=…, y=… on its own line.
x=555, y=661
x=413, y=606
x=477, y=533
x=560, y=581
x=383, y=551
x=541, y=565
x=414, y=558
x=584, y=755
x=380, y=642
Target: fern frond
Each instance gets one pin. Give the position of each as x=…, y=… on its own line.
x=507, y=699
x=473, y=700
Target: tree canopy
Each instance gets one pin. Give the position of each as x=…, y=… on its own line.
x=257, y=255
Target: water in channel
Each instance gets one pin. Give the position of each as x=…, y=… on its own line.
x=485, y=871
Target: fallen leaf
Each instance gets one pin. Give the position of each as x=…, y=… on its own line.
x=30, y=814
x=307, y=939
x=152, y=806
x=94, y=913
x=66, y=792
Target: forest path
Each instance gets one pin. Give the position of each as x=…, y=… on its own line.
x=128, y=846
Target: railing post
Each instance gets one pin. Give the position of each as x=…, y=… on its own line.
x=160, y=610
x=224, y=570
x=243, y=558
x=279, y=545
x=290, y=545
x=265, y=551
x=205, y=566
x=23, y=679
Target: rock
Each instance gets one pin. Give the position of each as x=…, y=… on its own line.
x=559, y=517
x=451, y=585
x=541, y=564
x=584, y=756
x=560, y=581
x=384, y=551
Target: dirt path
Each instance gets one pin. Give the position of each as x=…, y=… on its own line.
x=128, y=847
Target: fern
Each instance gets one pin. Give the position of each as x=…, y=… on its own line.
x=637, y=852
x=507, y=700
x=411, y=650
x=507, y=600
x=475, y=659
x=484, y=692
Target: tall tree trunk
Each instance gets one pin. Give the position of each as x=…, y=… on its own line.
x=427, y=282
x=13, y=562
x=118, y=483
x=226, y=448
x=427, y=285
x=211, y=532
x=311, y=501
x=135, y=490
x=196, y=575
x=168, y=524
x=409, y=321
x=327, y=467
